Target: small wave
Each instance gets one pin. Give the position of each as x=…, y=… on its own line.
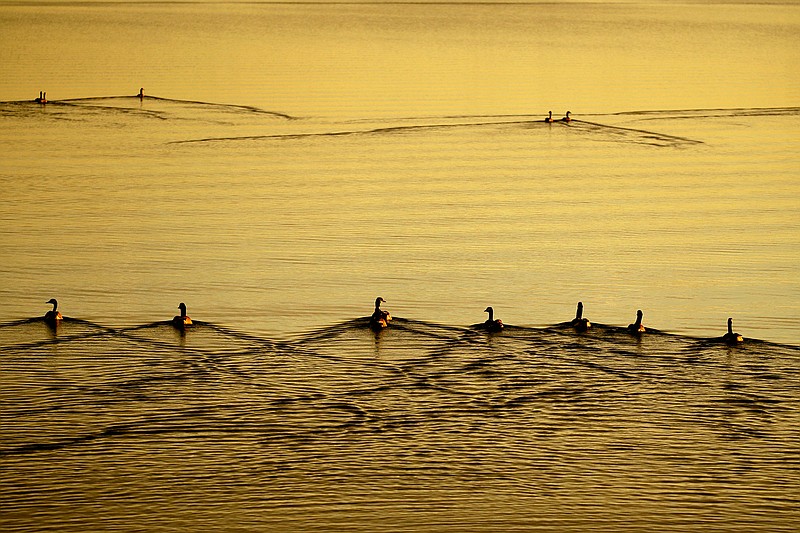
x=76, y=329
x=228, y=107
x=614, y=133
x=387, y=130
x=711, y=112
x=133, y=104
x=634, y=135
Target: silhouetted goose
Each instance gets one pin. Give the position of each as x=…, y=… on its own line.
x=566, y=118
x=731, y=337
x=549, y=117
x=53, y=317
x=492, y=324
x=141, y=93
x=181, y=321
x=637, y=327
x=380, y=319
x=580, y=323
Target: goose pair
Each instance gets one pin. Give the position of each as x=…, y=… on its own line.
x=549, y=118
x=582, y=324
x=53, y=317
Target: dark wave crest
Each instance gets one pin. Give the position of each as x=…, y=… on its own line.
x=427, y=403
x=158, y=107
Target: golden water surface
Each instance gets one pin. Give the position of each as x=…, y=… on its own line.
x=289, y=163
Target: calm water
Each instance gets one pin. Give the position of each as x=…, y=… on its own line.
x=290, y=163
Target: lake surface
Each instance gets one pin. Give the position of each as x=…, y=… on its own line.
x=290, y=163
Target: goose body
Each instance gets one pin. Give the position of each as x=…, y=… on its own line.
x=637, y=327
x=731, y=337
x=181, y=321
x=492, y=324
x=53, y=317
x=579, y=323
x=379, y=319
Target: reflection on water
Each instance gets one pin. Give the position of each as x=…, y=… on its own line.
x=280, y=224
x=288, y=163
x=422, y=425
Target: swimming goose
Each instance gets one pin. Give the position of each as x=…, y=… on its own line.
x=141, y=93
x=566, y=118
x=579, y=323
x=53, y=317
x=380, y=319
x=731, y=337
x=181, y=321
x=637, y=327
x=492, y=324
x=549, y=117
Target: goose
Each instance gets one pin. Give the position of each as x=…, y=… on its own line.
x=566, y=118
x=549, y=117
x=379, y=319
x=637, y=327
x=579, y=323
x=141, y=93
x=181, y=321
x=492, y=324
x=53, y=317
x=731, y=337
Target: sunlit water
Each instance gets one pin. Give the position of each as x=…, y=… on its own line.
x=290, y=163
x=421, y=426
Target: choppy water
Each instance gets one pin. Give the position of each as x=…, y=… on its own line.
x=422, y=426
x=289, y=163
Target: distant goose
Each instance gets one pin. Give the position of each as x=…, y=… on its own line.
x=549, y=117
x=380, y=319
x=637, y=327
x=579, y=323
x=181, y=321
x=42, y=98
x=141, y=93
x=566, y=118
x=53, y=317
x=731, y=337
x=492, y=324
